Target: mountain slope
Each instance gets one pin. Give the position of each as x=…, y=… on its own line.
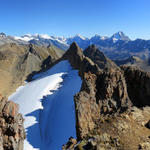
x=18, y=61
x=135, y=62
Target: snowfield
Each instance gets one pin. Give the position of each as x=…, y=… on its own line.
x=48, y=107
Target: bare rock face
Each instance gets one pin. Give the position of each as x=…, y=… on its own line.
x=12, y=132
x=111, y=92
x=87, y=109
x=101, y=94
x=99, y=58
x=138, y=83
x=75, y=55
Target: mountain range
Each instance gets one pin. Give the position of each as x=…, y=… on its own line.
x=118, y=46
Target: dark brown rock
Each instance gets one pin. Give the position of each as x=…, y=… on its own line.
x=111, y=92
x=138, y=83
x=70, y=144
x=75, y=55
x=10, y=109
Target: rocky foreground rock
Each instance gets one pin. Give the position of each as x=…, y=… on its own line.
x=12, y=132
x=112, y=107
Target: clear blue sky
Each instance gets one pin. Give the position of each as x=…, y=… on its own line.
x=70, y=17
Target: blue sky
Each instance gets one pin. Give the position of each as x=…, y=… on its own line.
x=70, y=17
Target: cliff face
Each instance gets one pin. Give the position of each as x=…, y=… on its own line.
x=105, y=116
x=138, y=83
x=12, y=132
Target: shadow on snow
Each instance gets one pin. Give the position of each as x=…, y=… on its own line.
x=56, y=121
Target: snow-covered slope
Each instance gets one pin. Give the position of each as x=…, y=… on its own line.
x=48, y=107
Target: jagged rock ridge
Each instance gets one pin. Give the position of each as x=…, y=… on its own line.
x=102, y=92
x=105, y=111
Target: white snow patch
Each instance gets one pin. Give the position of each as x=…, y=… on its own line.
x=48, y=107
x=45, y=36
x=115, y=40
x=23, y=38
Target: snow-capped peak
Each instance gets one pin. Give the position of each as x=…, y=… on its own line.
x=79, y=36
x=119, y=36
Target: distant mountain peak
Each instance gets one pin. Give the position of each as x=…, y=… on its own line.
x=80, y=36
x=119, y=36
x=98, y=37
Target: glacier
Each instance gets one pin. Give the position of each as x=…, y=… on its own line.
x=48, y=107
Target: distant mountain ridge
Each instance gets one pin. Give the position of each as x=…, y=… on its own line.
x=45, y=39
x=118, y=46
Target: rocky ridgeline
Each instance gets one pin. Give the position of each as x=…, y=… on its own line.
x=12, y=132
x=104, y=106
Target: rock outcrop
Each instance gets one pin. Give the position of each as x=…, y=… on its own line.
x=78, y=61
x=12, y=132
